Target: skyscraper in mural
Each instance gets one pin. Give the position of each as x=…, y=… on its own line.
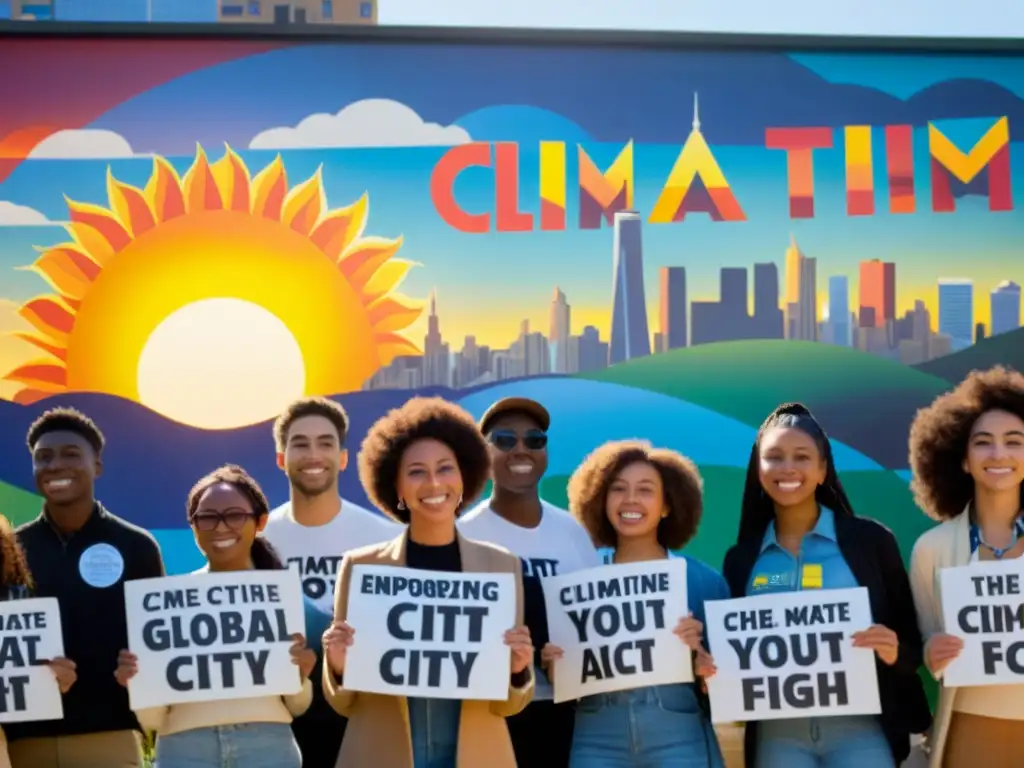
x=1005, y=299
x=436, y=369
x=672, y=307
x=877, y=293
x=558, y=332
x=630, y=337
x=956, y=311
x=801, y=306
x=839, y=310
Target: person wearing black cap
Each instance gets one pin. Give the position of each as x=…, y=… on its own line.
x=548, y=540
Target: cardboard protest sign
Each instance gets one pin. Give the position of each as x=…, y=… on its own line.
x=614, y=624
x=790, y=655
x=30, y=633
x=983, y=604
x=430, y=634
x=212, y=636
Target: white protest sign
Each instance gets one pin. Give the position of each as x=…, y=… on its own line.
x=614, y=624
x=212, y=636
x=790, y=655
x=431, y=634
x=983, y=604
x=30, y=633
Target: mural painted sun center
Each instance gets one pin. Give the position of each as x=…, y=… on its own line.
x=220, y=363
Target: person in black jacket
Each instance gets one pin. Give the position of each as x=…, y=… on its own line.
x=798, y=531
x=82, y=554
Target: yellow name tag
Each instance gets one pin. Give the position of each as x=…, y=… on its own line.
x=760, y=581
x=810, y=577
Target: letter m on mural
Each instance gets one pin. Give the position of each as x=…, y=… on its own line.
x=954, y=170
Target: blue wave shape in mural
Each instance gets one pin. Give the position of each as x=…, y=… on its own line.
x=586, y=413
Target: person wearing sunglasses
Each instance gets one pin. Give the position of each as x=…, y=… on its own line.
x=548, y=541
x=227, y=511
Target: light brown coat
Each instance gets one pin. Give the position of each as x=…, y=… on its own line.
x=378, y=733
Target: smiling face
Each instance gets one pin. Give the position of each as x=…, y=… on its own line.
x=225, y=525
x=790, y=466
x=313, y=455
x=995, y=452
x=429, y=482
x=519, y=453
x=65, y=467
x=635, y=503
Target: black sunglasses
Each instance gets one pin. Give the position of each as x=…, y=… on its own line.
x=235, y=519
x=506, y=440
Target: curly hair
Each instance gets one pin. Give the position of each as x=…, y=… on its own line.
x=940, y=433
x=66, y=420
x=421, y=418
x=264, y=556
x=310, y=406
x=14, y=570
x=681, y=483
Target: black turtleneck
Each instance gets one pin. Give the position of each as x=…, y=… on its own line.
x=429, y=557
x=446, y=557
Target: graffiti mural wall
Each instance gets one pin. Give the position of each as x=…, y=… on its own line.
x=654, y=243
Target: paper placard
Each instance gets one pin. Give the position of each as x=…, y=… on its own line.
x=788, y=655
x=615, y=626
x=983, y=604
x=212, y=636
x=430, y=634
x=30, y=632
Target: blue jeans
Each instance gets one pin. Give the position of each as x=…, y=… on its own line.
x=246, y=745
x=854, y=741
x=434, y=727
x=656, y=727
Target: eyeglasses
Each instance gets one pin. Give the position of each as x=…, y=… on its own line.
x=506, y=440
x=235, y=519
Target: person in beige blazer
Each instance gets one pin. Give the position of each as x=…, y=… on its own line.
x=421, y=464
x=967, y=458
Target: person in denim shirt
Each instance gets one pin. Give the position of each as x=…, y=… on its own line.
x=797, y=532
x=641, y=503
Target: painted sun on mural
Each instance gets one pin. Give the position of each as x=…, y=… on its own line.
x=181, y=295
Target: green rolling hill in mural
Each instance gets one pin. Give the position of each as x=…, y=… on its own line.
x=747, y=379
x=1005, y=349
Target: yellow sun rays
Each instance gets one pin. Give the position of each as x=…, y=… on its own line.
x=98, y=235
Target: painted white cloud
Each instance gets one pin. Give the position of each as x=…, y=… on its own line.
x=14, y=215
x=83, y=144
x=366, y=123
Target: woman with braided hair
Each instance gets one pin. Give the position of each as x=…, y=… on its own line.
x=798, y=531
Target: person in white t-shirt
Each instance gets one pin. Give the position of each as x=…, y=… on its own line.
x=312, y=531
x=549, y=542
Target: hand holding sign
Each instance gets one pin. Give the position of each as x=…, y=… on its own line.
x=882, y=640
x=519, y=641
x=690, y=631
x=127, y=667
x=304, y=658
x=65, y=672
x=940, y=650
x=337, y=639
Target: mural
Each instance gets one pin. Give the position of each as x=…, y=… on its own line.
x=654, y=243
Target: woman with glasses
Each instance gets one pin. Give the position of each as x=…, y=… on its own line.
x=547, y=540
x=227, y=510
x=419, y=465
